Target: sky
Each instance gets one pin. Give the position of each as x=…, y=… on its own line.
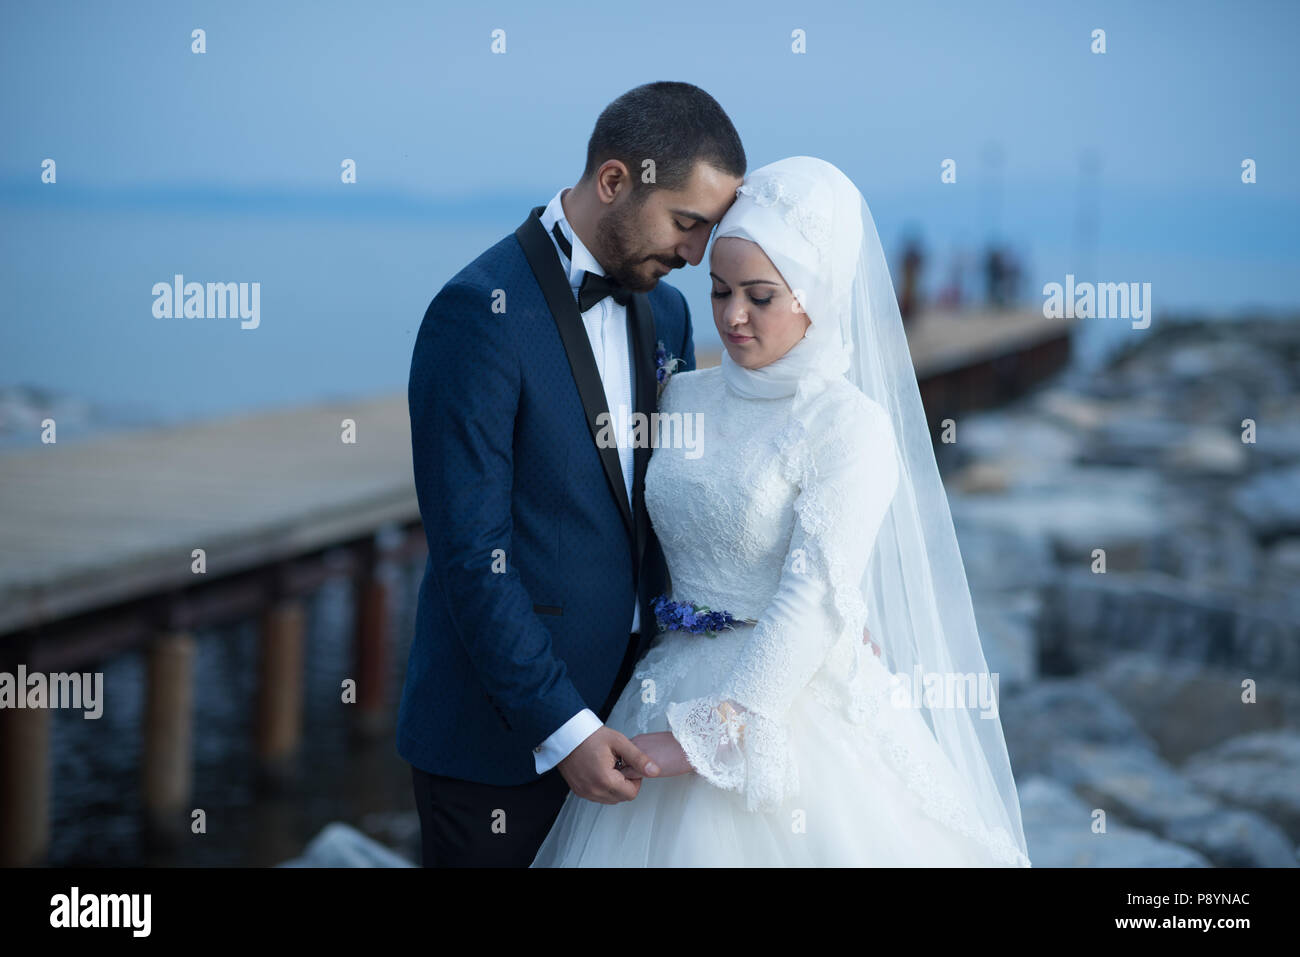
x=414, y=94
x=1117, y=166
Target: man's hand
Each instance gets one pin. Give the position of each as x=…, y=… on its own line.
x=589, y=768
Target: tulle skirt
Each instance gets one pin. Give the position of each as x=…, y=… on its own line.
x=852, y=808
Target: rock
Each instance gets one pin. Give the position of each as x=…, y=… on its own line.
x=1195, y=361
x=1136, y=788
x=1185, y=707
x=1058, y=833
x=1270, y=502
x=399, y=830
x=1008, y=624
x=1258, y=771
x=998, y=558
x=1168, y=444
x=980, y=478
x=1208, y=450
x=1282, y=566
x=338, y=845
x=1019, y=440
x=1037, y=720
x=1214, y=550
x=1071, y=409
x=1078, y=510
x=1238, y=360
x=1231, y=838
x=1277, y=438
x=1133, y=441
x=1129, y=782
x=1087, y=619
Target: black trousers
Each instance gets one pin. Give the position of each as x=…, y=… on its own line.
x=468, y=824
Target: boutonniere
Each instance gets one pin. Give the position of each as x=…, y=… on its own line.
x=665, y=365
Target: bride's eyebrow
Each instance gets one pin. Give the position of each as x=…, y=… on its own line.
x=747, y=282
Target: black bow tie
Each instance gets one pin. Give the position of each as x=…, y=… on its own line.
x=594, y=288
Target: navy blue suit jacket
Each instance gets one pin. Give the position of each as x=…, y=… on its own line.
x=535, y=555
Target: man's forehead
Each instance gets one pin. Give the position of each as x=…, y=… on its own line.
x=705, y=197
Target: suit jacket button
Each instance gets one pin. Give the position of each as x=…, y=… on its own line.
x=537, y=750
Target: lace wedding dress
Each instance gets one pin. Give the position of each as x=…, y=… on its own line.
x=801, y=755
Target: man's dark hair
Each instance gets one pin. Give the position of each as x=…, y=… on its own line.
x=675, y=124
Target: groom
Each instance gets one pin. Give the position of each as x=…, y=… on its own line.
x=535, y=602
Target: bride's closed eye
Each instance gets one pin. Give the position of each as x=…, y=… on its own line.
x=724, y=293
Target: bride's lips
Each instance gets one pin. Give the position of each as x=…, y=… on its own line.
x=736, y=338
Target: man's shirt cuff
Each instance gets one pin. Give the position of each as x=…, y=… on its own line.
x=561, y=744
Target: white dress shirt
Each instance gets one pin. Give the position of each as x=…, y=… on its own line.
x=606, y=326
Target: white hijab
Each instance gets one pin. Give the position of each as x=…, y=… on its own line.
x=804, y=214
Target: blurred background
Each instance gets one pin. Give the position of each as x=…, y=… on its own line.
x=1002, y=147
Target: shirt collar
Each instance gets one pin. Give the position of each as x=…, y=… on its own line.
x=583, y=260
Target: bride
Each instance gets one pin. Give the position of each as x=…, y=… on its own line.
x=818, y=695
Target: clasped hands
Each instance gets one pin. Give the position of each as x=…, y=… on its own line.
x=591, y=772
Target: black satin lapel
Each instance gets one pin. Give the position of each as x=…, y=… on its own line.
x=541, y=256
x=647, y=395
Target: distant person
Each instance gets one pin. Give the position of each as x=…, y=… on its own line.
x=950, y=296
x=1011, y=280
x=909, y=297
x=995, y=277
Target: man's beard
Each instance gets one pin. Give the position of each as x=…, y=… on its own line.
x=614, y=234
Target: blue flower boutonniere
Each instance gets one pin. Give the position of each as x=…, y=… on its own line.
x=696, y=619
x=665, y=365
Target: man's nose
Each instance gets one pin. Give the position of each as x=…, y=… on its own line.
x=692, y=249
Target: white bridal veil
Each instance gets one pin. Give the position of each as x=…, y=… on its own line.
x=814, y=225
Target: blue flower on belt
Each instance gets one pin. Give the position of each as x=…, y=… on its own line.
x=687, y=616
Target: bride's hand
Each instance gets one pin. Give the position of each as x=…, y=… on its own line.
x=661, y=748
x=866, y=640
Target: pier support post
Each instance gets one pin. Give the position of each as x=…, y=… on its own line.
x=280, y=692
x=168, y=764
x=370, y=643
x=24, y=786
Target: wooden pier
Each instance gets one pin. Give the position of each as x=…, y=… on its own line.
x=98, y=540
x=977, y=360
x=97, y=556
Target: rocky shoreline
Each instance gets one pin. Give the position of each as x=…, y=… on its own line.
x=1162, y=688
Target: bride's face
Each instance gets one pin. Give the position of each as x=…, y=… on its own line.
x=756, y=313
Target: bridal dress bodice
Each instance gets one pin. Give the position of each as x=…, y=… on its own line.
x=760, y=520
x=775, y=522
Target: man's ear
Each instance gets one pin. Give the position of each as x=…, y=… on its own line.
x=612, y=179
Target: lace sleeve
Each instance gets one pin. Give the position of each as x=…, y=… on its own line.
x=737, y=738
